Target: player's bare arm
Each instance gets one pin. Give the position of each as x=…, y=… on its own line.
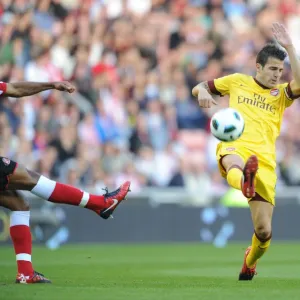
x=204, y=95
x=284, y=39
x=22, y=89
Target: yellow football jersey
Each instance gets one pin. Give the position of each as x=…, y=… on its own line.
x=261, y=107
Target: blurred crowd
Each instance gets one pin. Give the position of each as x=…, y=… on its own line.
x=134, y=64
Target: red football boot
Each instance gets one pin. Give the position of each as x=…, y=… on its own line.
x=113, y=199
x=36, y=277
x=247, y=273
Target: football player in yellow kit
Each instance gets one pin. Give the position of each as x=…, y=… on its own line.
x=249, y=162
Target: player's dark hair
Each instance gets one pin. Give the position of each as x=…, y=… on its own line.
x=270, y=50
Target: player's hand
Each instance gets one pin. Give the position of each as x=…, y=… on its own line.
x=205, y=100
x=64, y=86
x=281, y=35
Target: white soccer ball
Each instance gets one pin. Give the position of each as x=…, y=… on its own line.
x=227, y=125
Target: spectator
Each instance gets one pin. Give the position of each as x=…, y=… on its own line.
x=134, y=64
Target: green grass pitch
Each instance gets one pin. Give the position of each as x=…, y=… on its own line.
x=154, y=271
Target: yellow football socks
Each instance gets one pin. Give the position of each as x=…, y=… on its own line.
x=258, y=249
x=234, y=177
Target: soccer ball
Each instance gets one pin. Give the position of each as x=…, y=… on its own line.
x=227, y=125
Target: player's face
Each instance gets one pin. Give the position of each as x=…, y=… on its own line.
x=270, y=74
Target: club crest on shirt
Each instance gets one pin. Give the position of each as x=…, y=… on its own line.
x=274, y=92
x=6, y=161
x=230, y=149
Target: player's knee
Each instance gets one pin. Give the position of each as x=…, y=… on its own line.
x=19, y=205
x=24, y=206
x=232, y=160
x=33, y=177
x=23, y=179
x=263, y=232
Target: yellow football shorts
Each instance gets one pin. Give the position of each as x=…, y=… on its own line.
x=265, y=177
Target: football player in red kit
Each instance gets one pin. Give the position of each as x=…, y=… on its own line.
x=15, y=177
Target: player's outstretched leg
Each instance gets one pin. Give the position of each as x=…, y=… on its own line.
x=248, y=179
x=57, y=192
x=21, y=236
x=19, y=178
